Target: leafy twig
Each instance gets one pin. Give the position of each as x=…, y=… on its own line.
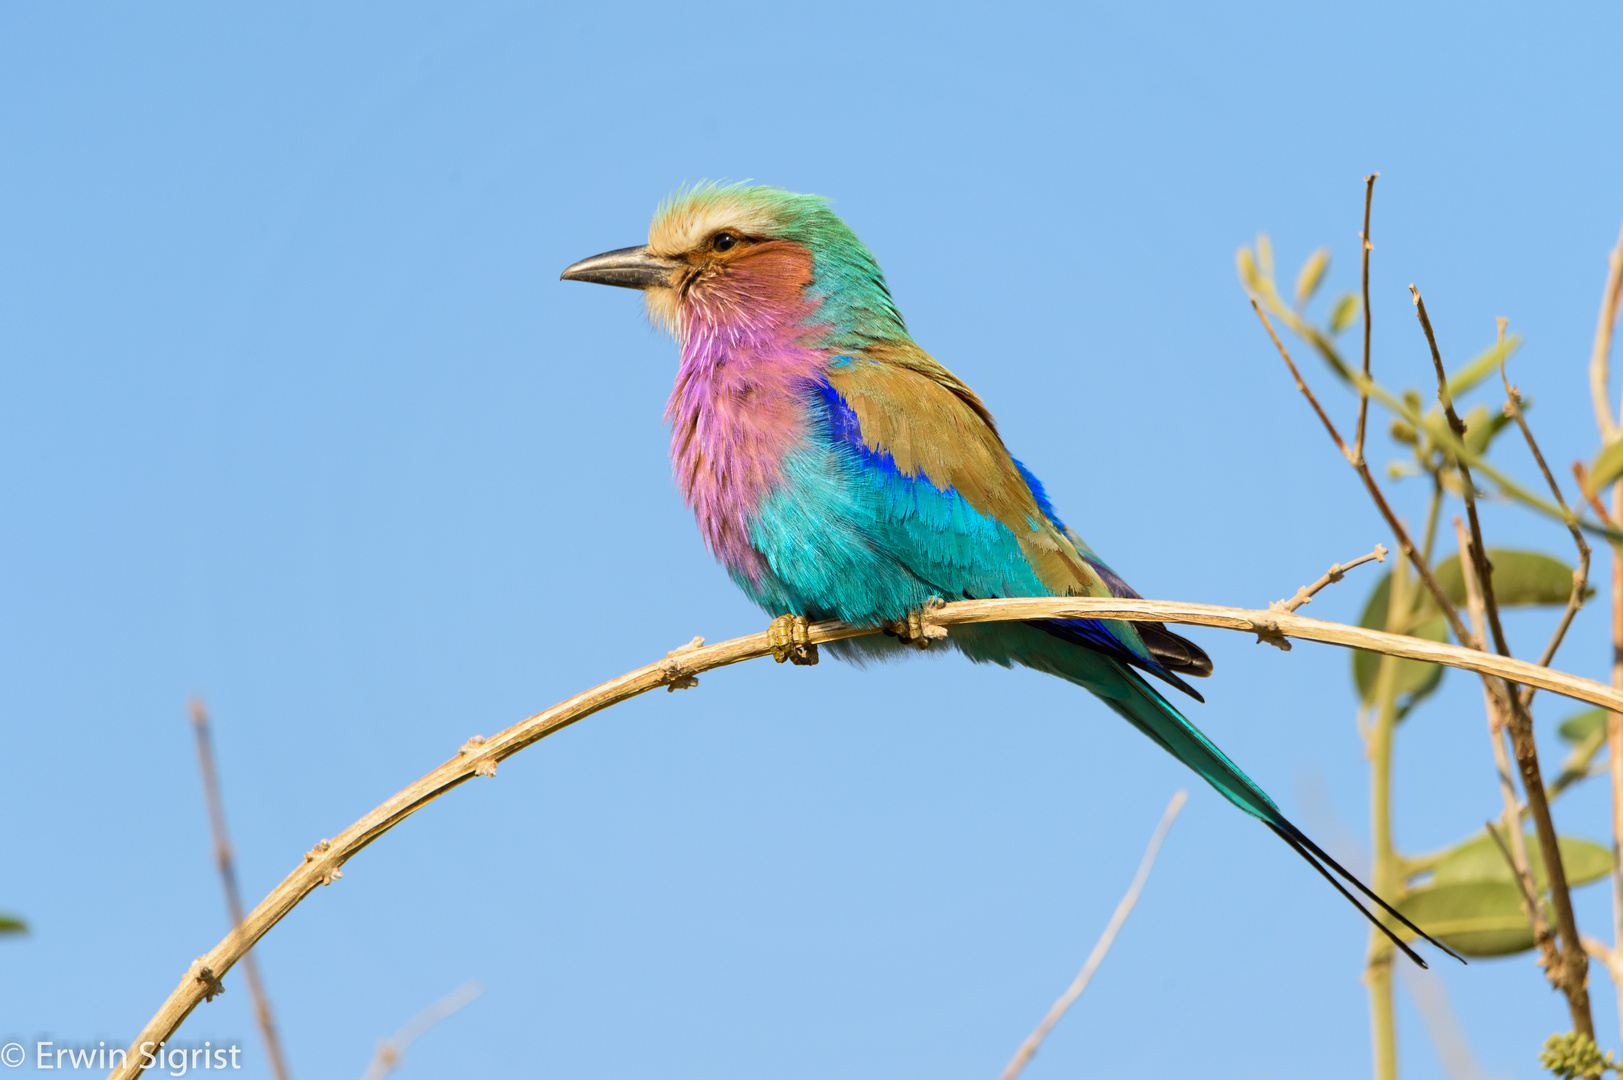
x=1444, y=604
x=1096, y=957
x=1479, y=552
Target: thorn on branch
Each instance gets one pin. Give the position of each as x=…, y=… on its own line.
x=332, y=874
x=487, y=767
x=212, y=986
x=1268, y=630
x=678, y=677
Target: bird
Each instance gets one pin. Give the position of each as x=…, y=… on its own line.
x=838, y=471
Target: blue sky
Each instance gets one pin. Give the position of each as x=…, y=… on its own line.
x=294, y=414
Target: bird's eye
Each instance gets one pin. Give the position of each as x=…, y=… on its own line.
x=723, y=242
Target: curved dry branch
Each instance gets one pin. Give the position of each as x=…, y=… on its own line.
x=480, y=756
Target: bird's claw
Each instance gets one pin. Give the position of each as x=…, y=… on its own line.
x=916, y=629
x=790, y=639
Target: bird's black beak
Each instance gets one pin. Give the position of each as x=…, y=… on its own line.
x=629, y=268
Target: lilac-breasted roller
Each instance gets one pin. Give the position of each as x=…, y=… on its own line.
x=839, y=472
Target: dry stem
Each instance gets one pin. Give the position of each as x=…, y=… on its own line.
x=1516, y=854
x=1572, y=973
x=1600, y=353
x=228, y=879
x=480, y=756
x=1580, y=576
x=391, y=1051
x=1306, y=593
x=1033, y=1041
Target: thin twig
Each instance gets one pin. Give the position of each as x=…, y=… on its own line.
x=1580, y=576
x=1444, y=604
x=228, y=880
x=1524, y=885
x=1446, y=440
x=480, y=756
x=1096, y=957
x=1512, y=815
x=391, y=1051
x=1571, y=975
x=1601, y=351
x=1479, y=552
x=1306, y=593
x=1363, y=388
x=1301, y=384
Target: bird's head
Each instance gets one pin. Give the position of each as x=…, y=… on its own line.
x=736, y=258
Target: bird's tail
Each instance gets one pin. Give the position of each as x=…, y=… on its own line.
x=1154, y=716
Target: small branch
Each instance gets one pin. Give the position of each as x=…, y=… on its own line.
x=1479, y=552
x=1414, y=555
x=1363, y=387
x=1096, y=957
x=1573, y=972
x=228, y=879
x=1509, y=488
x=480, y=756
x=1580, y=576
x=391, y=1051
x=1524, y=883
x=1516, y=854
x=1301, y=384
x=1306, y=594
x=1601, y=351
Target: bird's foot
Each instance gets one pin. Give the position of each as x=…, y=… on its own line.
x=918, y=628
x=790, y=639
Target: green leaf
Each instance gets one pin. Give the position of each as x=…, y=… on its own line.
x=1608, y=465
x=1265, y=257
x=1483, y=366
x=1415, y=678
x=1520, y=578
x=1312, y=273
x=1479, y=859
x=1346, y=309
x=12, y=924
x=1580, y=727
x=1474, y=918
x=1481, y=428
